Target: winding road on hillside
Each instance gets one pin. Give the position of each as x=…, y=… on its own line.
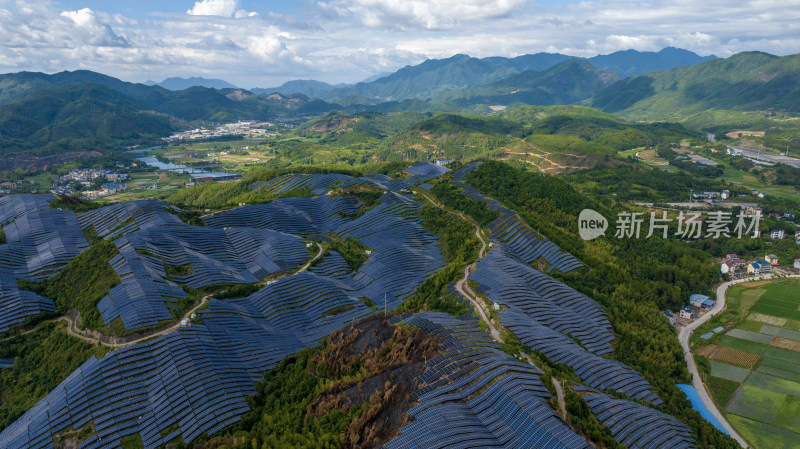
x=685, y=335
x=462, y=286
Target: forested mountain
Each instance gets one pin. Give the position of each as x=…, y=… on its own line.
x=751, y=81
x=569, y=82
x=76, y=118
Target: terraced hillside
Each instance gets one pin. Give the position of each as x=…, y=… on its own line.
x=272, y=326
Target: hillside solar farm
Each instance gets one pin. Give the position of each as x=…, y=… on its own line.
x=200, y=312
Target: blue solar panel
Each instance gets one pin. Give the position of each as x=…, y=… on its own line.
x=16, y=305
x=15, y=206
x=41, y=242
x=120, y=219
x=599, y=372
x=638, y=426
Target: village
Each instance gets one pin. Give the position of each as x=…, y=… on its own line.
x=247, y=129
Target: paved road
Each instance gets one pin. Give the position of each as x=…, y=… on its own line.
x=769, y=157
x=685, y=334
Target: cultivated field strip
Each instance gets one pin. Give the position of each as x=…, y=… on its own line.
x=638, y=426
x=476, y=395
x=598, y=372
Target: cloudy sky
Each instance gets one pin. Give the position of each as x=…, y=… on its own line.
x=262, y=43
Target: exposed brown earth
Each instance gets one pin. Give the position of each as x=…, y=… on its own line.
x=43, y=162
x=385, y=362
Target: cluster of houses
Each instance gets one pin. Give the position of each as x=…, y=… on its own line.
x=243, y=128
x=735, y=266
x=106, y=189
x=86, y=177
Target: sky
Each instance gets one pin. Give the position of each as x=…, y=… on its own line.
x=254, y=43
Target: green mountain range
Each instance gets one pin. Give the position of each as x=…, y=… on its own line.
x=750, y=81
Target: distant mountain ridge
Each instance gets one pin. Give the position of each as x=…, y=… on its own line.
x=569, y=82
x=176, y=83
x=434, y=77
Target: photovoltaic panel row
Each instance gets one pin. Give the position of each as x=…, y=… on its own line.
x=637, y=426
x=17, y=305
x=301, y=181
x=510, y=230
x=120, y=219
x=41, y=242
x=507, y=281
x=403, y=252
x=474, y=395
x=215, y=256
x=195, y=256
x=599, y=372
x=15, y=206
x=291, y=215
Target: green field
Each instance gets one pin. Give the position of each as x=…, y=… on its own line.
x=781, y=299
x=756, y=403
x=763, y=405
x=729, y=372
x=762, y=435
x=742, y=345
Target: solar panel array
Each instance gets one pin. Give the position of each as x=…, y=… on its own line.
x=120, y=219
x=6, y=363
x=16, y=305
x=290, y=182
x=420, y=172
x=15, y=206
x=214, y=256
x=475, y=395
x=510, y=230
x=291, y=215
x=403, y=252
x=599, y=372
x=637, y=426
x=198, y=378
x=507, y=281
x=41, y=242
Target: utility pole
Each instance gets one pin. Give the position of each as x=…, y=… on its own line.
x=384, y=304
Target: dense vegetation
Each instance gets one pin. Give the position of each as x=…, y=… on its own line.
x=42, y=358
x=353, y=251
x=82, y=283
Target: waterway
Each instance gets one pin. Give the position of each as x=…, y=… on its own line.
x=178, y=168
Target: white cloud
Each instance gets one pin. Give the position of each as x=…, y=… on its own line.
x=222, y=8
x=426, y=14
x=348, y=40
